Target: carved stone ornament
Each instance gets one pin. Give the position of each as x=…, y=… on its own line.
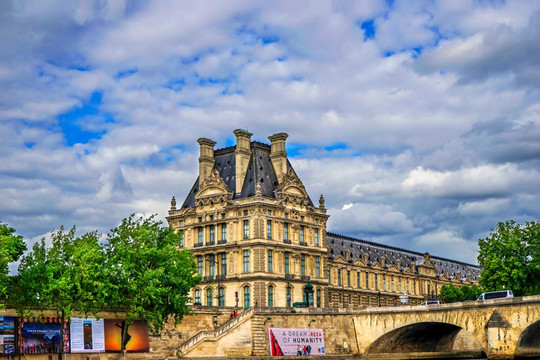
x=258, y=189
x=321, y=202
x=173, y=203
x=292, y=191
x=213, y=191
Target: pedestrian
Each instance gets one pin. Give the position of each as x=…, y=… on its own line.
x=309, y=349
x=298, y=350
x=305, y=351
x=232, y=315
x=235, y=313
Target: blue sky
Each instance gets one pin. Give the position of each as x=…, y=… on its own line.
x=418, y=121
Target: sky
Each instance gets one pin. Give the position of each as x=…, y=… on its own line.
x=419, y=121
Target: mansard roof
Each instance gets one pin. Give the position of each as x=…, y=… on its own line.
x=260, y=170
x=352, y=249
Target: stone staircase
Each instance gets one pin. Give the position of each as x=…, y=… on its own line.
x=258, y=331
x=201, y=336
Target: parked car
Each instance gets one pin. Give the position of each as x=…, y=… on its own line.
x=433, y=302
x=503, y=294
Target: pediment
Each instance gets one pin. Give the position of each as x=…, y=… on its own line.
x=291, y=185
x=340, y=259
x=213, y=186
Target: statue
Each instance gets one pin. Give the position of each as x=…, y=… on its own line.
x=173, y=203
x=321, y=202
x=258, y=188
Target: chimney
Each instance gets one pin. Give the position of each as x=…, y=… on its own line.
x=206, y=158
x=278, y=154
x=242, y=154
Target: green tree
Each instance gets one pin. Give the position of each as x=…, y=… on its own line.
x=11, y=248
x=65, y=277
x=450, y=293
x=509, y=256
x=149, y=278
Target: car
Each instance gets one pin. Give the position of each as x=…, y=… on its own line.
x=433, y=302
x=503, y=294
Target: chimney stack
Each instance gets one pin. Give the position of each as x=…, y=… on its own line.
x=206, y=158
x=242, y=154
x=278, y=154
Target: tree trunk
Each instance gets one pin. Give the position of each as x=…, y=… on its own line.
x=61, y=343
x=125, y=336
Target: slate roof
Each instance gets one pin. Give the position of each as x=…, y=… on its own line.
x=352, y=249
x=260, y=170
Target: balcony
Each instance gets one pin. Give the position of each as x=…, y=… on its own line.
x=289, y=276
x=221, y=277
x=210, y=243
x=198, y=245
x=287, y=241
x=222, y=241
x=303, y=243
x=305, y=277
x=208, y=278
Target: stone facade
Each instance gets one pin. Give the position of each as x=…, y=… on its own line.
x=258, y=239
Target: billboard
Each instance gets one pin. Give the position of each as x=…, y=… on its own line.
x=43, y=336
x=87, y=335
x=288, y=341
x=7, y=335
x=137, y=335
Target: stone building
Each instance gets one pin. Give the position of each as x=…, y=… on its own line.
x=259, y=240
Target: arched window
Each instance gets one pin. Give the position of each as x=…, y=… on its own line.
x=247, y=297
x=270, y=296
x=198, y=296
x=221, y=294
x=209, y=297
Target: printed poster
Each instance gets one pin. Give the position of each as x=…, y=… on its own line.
x=286, y=342
x=43, y=336
x=7, y=335
x=138, y=339
x=87, y=335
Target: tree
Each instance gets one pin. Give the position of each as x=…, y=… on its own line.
x=11, y=248
x=149, y=278
x=510, y=258
x=452, y=293
x=66, y=277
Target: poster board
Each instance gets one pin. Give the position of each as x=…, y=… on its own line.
x=43, y=336
x=7, y=335
x=139, y=340
x=285, y=342
x=87, y=335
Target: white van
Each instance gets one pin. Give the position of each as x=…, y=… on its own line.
x=503, y=294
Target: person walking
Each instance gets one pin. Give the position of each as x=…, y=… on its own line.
x=298, y=350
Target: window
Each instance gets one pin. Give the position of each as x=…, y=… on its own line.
x=316, y=237
x=393, y=287
x=181, y=236
x=303, y=265
x=286, y=262
x=245, y=213
x=399, y=282
x=269, y=229
x=223, y=263
x=181, y=222
x=301, y=233
x=367, y=280
x=289, y=296
x=247, y=297
x=223, y=232
x=348, y=278
x=407, y=282
x=200, y=264
x=211, y=217
x=221, y=296
x=212, y=265
x=198, y=296
x=270, y=296
x=318, y=298
x=246, y=261
x=384, y=282
x=246, y=229
x=358, y=279
x=339, y=276
x=328, y=269
x=209, y=297
x=376, y=282
x=414, y=286
x=212, y=234
x=317, y=266
x=285, y=231
x=270, y=261
x=269, y=213
x=200, y=236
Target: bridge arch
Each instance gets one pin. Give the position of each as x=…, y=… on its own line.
x=425, y=337
x=528, y=345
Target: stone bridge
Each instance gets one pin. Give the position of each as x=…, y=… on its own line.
x=496, y=329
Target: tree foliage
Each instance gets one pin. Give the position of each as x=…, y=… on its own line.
x=510, y=258
x=452, y=293
x=65, y=277
x=11, y=248
x=149, y=278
